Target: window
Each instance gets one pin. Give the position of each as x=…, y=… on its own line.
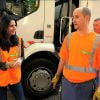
x=21, y=8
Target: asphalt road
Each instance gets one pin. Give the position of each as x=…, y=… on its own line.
x=53, y=96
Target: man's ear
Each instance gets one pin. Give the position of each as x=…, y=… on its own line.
x=88, y=18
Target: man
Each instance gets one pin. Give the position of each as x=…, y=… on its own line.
x=96, y=25
x=79, y=59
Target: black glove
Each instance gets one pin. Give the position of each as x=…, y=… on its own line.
x=3, y=66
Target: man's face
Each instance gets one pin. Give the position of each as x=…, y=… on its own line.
x=79, y=20
x=96, y=26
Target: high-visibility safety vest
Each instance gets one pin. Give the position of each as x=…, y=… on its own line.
x=10, y=75
x=78, y=74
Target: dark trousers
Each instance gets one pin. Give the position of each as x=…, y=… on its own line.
x=80, y=91
x=16, y=90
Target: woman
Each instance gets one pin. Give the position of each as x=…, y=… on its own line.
x=11, y=56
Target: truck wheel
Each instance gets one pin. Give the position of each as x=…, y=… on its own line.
x=36, y=78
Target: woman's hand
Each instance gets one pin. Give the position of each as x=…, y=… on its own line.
x=14, y=63
x=17, y=62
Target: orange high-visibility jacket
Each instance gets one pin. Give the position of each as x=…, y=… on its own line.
x=77, y=54
x=10, y=75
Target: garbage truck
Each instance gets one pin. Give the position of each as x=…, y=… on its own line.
x=43, y=24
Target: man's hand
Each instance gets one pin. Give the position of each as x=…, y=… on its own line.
x=54, y=81
x=96, y=95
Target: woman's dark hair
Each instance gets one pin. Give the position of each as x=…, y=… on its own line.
x=6, y=41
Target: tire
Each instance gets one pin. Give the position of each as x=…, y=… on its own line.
x=36, y=78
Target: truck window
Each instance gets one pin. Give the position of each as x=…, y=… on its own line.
x=21, y=8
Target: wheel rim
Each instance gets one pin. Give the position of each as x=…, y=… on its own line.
x=39, y=79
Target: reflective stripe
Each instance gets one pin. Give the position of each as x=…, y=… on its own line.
x=95, y=45
x=81, y=69
x=12, y=55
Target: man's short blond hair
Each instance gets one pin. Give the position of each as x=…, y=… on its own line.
x=85, y=10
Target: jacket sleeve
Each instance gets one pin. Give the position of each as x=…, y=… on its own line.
x=3, y=66
x=22, y=48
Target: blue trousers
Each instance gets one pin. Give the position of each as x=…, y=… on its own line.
x=80, y=91
x=16, y=90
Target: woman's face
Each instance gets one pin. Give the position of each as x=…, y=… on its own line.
x=11, y=27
